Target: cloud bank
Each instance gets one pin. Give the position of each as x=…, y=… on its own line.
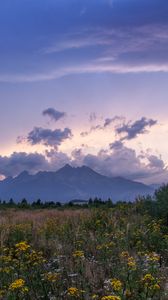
x=118, y=160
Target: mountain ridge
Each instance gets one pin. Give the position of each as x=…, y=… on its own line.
x=69, y=183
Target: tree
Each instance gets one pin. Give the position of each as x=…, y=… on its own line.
x=11, y=203
x=24, y=203
x=161, y=197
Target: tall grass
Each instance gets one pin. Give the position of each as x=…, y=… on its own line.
x=117, y=253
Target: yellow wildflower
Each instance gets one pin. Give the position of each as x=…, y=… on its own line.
x=131, y=263
x=95, y=296
x=148, y=278
x=116, y=284
x=22, y=246
x=52, y=277
x=156, y=286
x=25, y=290
x=79, y=254
x=153, y=257
x=124, y=254
x=17, y=284
x=73, y=291
x=6, y=270
x=112, y=297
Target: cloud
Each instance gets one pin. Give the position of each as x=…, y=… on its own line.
x=21, y=161
x=18, y=162
x=48, y=137
x=92, y=67
x=109, y=121
x=123, y=161
x=133, y=129
x=57, y=159
x=155, y=162
x=118, y=160
x=106, y=124
x=118, y=50
x=136, y=46
x=93, y=128
x=92, y=117
x=54, y=114
x=117, y=145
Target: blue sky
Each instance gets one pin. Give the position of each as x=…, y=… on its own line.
x=93, y=60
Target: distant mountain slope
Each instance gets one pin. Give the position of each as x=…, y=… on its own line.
x=70, y=183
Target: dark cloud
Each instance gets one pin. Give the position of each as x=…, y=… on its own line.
x=109, y=121
x=133, y=129
x=54, y=114
x=155, y=162
x=21, y=161
x=117, y=145
x=48, y=137
x=18, y=162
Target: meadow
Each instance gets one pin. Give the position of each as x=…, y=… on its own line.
x=99, y=253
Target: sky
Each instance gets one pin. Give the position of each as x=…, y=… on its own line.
x=84, y=82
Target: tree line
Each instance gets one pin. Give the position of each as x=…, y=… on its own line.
x=156, y=205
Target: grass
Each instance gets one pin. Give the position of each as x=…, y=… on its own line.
x=100, y=253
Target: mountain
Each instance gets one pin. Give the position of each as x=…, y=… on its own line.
x=70, y=183
x=155, y=186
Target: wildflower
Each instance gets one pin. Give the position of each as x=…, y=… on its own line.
x=6, y=270
x=95, y=296
x=6, y=258
x=99, y=247
x=79, y=242
x=124, y=254
x=112, y=297
x=128, y=293
x=116, y=284
x=153, y=257
x=52, y=277
x=131, y=263
x=17, y=284
x=148, y=278
x=25, y=289
x=22, y=246
x=78, y=254
x=74, y=292
x=98, y=222
x=156, y=286
x=36, y=258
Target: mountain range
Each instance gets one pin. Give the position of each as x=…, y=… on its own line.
x=69, y=183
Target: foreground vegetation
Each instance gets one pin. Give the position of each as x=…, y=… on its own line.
x=104, y=253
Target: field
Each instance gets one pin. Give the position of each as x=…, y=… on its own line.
x=98, y=253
